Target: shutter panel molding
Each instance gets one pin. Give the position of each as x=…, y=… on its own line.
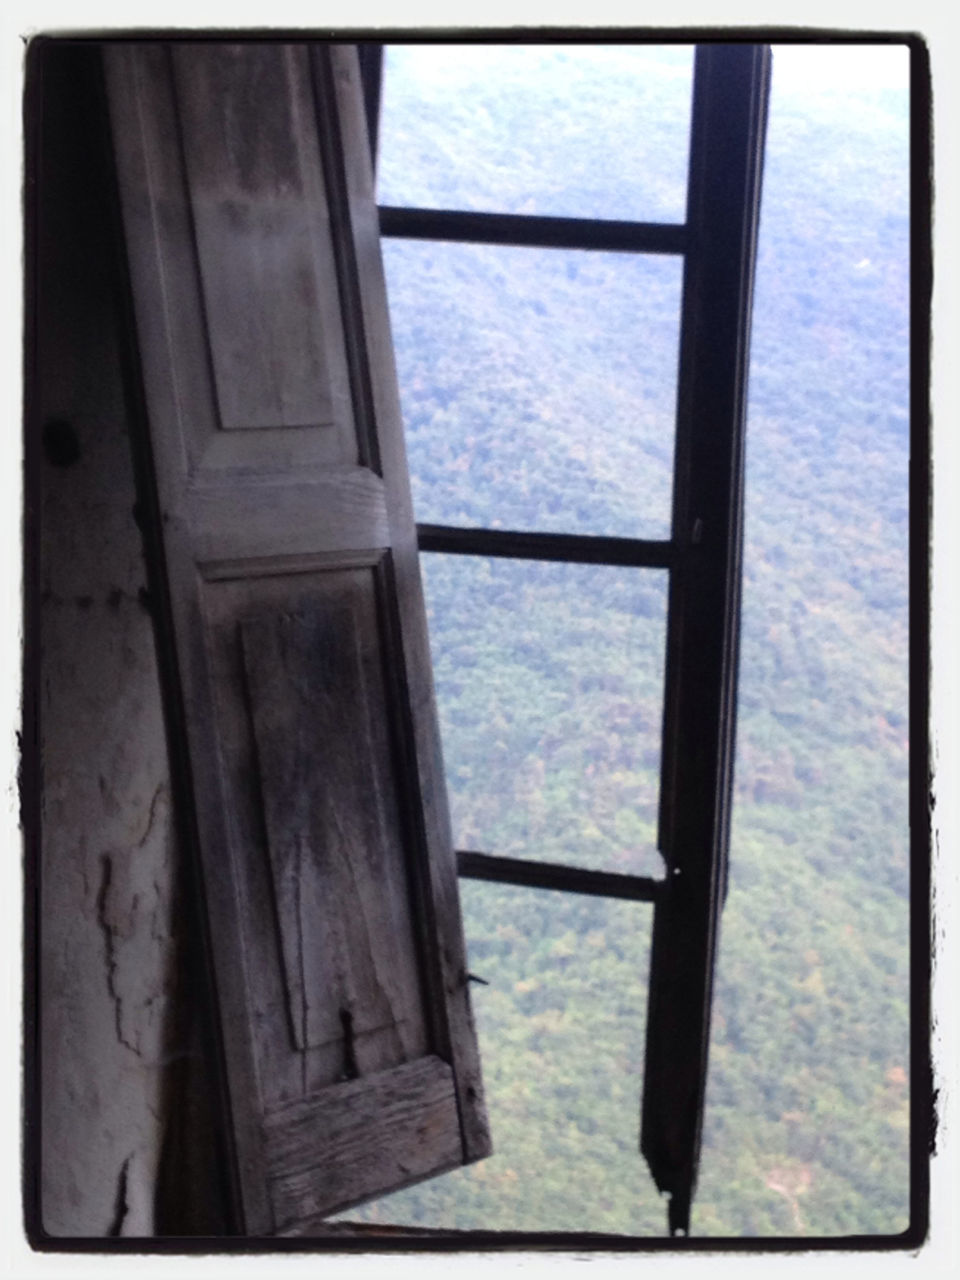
x=297, y=622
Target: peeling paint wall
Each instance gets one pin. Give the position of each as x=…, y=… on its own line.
x=114, y=1023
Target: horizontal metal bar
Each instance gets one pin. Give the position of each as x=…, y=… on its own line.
x=573, y=547
x=535, y=231
x=553, y=875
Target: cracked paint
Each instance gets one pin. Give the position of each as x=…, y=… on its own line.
x=134, y=915
x=109, y=951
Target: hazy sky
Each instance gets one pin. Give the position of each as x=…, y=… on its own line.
x=814, y=66
x=853, y=66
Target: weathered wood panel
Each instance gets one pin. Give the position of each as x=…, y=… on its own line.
x=326, y=828
x=378, y=1133
x=304, y=707
x=228, y=336
x=257, y=198
x=314, y=800
x=335, y=510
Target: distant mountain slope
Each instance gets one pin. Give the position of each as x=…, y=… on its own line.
x=538, y=391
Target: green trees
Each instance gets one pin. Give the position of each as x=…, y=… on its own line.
x=538, y=390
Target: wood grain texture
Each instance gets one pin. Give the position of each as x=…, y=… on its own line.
x=377, y=1134
x=309, y=773
x=172, y=413
x=321, y=785
x=303, y=704
x=246, y=320
x=339, y=509
x=168, y=307
x=258, y=204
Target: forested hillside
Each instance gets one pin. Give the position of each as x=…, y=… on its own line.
x=538, y=392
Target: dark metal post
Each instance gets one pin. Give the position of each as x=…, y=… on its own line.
x=731, y=86
x=370, y=56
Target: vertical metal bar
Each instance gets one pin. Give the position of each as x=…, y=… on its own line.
x=731, y=85
x=370, y=56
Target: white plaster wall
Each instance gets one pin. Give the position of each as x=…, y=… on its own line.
x=108, y=944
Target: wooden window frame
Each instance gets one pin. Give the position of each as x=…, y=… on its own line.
x=703, y=558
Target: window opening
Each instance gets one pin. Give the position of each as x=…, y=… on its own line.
x=829, y=399
x=467, y=130
x=590, y=391
x=551, y=754
x=854, y=423
x=717, y=242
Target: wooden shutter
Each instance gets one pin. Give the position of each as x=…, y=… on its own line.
x=299, y=633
